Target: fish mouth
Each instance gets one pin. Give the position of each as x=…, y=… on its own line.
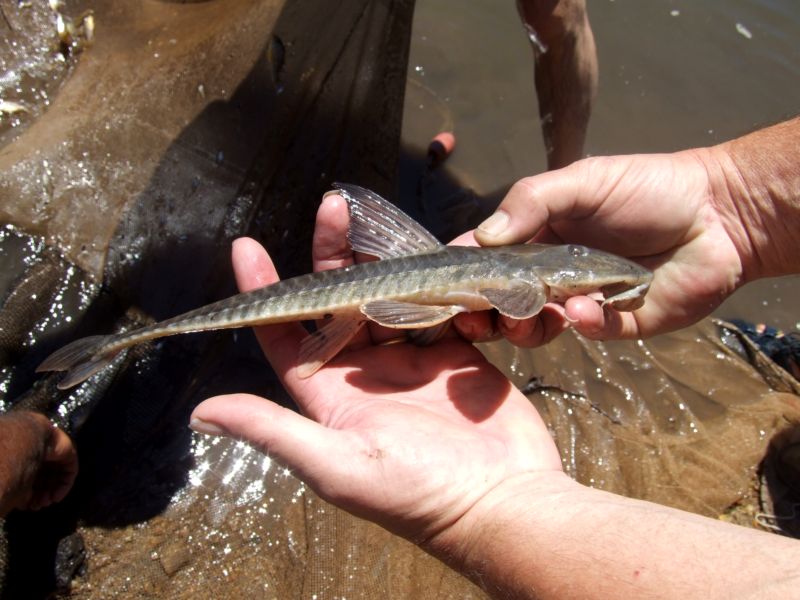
x=623, y=297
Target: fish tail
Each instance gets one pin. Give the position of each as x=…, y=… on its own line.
x=81, y=359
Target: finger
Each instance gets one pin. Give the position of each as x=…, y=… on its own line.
x=465, y=239
x=55, y=473
x=254, y=269
x=537, y=331
x=61, y=452
x=331, y=249
x=600, y=323
x=317, y=454
x=252, y=266
x=476, y=326
x=60, y=448
x=533, y=202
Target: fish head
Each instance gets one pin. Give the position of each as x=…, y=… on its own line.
x=572, y=270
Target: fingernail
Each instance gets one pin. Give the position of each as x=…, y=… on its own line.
x=571, y=320
x=201, y=426
x=490, y=335
x=496, y=224
x=510, y=324
x=331, y=193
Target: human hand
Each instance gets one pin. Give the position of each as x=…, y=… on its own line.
x=656, y=209
x=38, y=462
x=411, y=438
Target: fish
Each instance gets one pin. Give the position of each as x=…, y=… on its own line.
x=418, y=285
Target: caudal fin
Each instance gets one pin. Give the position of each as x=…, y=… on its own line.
x=80, y=359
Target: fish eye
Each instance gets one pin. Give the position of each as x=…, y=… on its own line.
x=576, y=250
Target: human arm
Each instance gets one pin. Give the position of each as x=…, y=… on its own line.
x=565, y=73
x=435, y=445
x=706, y=221
x=549, y=537
x=38, y=462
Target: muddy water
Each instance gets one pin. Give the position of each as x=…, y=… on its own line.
x=673, y=75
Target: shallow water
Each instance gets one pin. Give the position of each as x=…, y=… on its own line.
x=673, y=75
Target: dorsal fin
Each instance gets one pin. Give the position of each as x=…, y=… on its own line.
x=379, y=228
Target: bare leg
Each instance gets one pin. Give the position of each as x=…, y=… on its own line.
x=565, y=73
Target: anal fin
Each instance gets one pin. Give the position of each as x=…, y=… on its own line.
x=325, y=343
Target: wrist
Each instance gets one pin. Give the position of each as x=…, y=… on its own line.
x=729, y=199
x=478, y=544
x=754, y=184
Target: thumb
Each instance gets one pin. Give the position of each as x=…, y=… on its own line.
x=313, y=451
x=530, y=204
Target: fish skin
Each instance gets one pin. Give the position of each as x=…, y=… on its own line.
x=450, y=276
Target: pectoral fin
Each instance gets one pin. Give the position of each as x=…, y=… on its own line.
x=522, y=300
x=407, y=315
x=325, y=343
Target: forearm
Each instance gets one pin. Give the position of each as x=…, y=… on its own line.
x=756, y=187
x=557, y=539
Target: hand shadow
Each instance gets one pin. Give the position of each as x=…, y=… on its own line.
x=475, y=387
